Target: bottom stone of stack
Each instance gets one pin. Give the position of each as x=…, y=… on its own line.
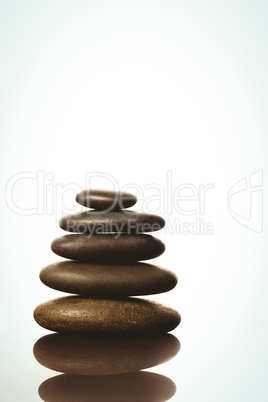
x=129, y=317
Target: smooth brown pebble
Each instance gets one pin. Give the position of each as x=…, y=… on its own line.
x=108, y=248
x=130, y=317
x=105, y=199
x=99, y=280
x=117, y=222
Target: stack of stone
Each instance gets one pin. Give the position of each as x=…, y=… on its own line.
x=103, y=271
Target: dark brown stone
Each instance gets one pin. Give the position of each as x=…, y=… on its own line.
x=108, y=248
x=131, y=387
x=85, y=356
x=105, y=199
x=96, y=280
x=116, y=221
x=130, y=317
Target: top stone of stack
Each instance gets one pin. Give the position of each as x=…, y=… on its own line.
x=105, y=200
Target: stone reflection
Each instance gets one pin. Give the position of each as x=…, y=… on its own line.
x=96, y=357
x=130, y=387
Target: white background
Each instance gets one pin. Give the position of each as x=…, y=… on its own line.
x=155, y=94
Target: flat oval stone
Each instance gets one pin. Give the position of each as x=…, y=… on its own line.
x=108, y=248
x=86, y=356
x=115, y=221
x=131, y=317
x=100, y=280
x=142, y=386
x=105, y=199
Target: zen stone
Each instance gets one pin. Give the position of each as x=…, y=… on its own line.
x=108, y=248
x=86, y=356
x=129, y=317
x=131, y=387
x=98, y=280
x=105, y=199
x=118, y=222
